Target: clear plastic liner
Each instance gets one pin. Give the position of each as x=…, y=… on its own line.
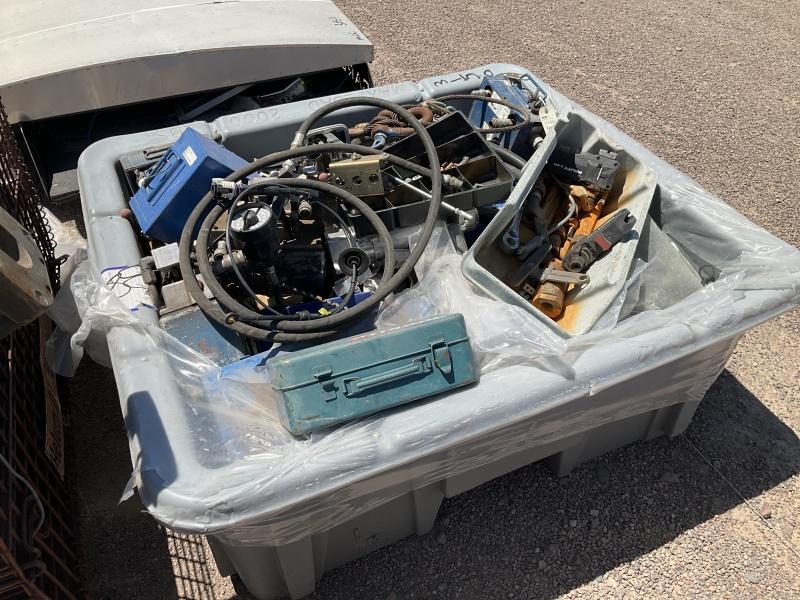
x=70, y=244
x=499, y=333
x=210, y=455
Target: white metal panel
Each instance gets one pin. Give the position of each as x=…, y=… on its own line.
x=66, y=56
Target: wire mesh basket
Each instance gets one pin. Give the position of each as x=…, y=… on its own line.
x=38, y=542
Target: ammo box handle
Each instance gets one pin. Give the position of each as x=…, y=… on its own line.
x=165, y=165
x=356, y=385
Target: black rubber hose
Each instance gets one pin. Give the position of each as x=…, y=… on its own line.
x=276, y=189
x=291, y=328
x=206, y=204
x=291, y=331
x=507, y=156
x=515, y=172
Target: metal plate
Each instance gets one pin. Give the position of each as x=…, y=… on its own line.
x=110, y=53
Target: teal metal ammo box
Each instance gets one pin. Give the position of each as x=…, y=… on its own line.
x=358, y=376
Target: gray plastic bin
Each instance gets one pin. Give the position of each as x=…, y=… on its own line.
x=281, y=512
x=293, y=569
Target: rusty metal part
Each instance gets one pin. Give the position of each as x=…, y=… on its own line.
x=13, y=580
x=549, y=297
x=583, y=197
x=358, y=131
x=389, y=123
x=585, y=226
x=454, y=165
x=420, y=111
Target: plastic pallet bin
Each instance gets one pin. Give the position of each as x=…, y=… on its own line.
x=274, y=571
x=211, y=458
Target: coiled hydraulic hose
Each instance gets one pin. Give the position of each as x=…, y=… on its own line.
x=239, y=311
x=207, y=212
x=264, y=187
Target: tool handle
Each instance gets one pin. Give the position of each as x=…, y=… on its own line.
x=559, y=276
x=357, y=385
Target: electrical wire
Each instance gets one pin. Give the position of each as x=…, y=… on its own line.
x=572, y=208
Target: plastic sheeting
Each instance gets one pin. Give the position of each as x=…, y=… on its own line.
x=500, y=334
x=210, y=455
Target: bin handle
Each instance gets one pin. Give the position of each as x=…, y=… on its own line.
x=356, y=385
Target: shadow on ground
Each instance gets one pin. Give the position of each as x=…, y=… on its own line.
x=556, y=534
x=644, y=496
x=126, y=552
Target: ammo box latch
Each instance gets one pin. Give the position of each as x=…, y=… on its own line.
x=441, y=355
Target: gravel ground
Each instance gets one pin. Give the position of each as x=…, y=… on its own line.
x=711, y=87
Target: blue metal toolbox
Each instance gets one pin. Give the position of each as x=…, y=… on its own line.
x=358, y=376
x=177, y=182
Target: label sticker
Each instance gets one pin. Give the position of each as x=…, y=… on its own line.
x=189, y=156
x=502, y=112
x=128, y=285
